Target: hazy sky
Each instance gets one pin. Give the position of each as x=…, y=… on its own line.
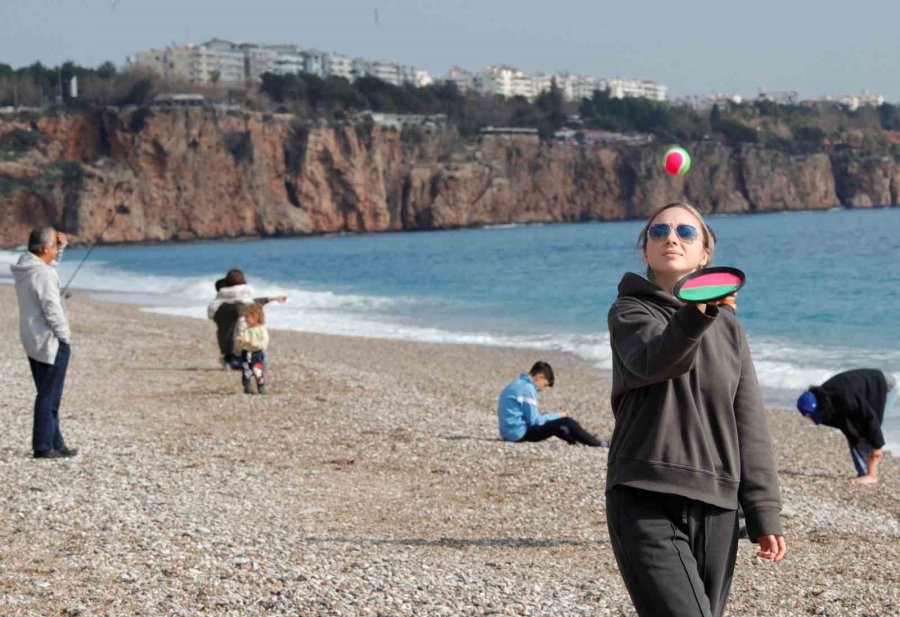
x=692, y=47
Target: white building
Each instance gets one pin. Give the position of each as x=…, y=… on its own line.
x=523, y=85
x=508, y=82
x=787, y=97
x=633, y=88
x=855, y=101
x=287, y=64
x=543, y=82
x=339, y=66
x=316, y=61
x=572, y=87
x=499, y=80
x=197, y=64
x=704, y=102
x=260, y=61
x=413, y=76
x=385, y=71
x=390, y=72
x=465, y=80
x=581, y=87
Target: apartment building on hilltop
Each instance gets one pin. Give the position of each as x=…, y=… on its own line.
x=221, y=60
x=224, y=61
x=193, y=63
x=635, y=88
x=855, y=101
x=509, y=82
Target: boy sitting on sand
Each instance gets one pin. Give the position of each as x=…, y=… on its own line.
x=251, y=340
x=520, y=420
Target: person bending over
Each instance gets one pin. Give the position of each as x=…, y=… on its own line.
x=520, y=420
x=854, y=402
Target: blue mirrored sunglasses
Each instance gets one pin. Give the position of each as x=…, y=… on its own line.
x=660, y=231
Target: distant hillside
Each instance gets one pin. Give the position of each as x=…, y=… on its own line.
x=210, y=173
x=807, y=127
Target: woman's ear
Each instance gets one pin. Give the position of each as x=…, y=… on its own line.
x=704, y=259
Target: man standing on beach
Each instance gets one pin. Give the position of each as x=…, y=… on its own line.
x=44, y=331
x=854, y=402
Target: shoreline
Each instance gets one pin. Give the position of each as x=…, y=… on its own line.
x=369, y=480
x=773, y=397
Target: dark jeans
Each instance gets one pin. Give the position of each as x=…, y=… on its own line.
x=859, y=452
x=232, y=360
x=566, y=429
x=49, y=380
x=253, y=364
x=675, y=554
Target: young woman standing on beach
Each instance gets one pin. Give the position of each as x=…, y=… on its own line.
x=691, y=440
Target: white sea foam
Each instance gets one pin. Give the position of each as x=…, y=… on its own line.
x=504, y=226
x=8, y=258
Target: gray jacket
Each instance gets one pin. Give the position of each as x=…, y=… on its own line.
x=42, y=318
x=689, y=415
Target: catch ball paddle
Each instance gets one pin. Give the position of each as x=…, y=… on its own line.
x=709, y=284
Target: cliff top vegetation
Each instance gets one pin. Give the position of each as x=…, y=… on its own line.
x=800, y=128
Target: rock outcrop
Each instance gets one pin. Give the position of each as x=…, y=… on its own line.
x=198, y=173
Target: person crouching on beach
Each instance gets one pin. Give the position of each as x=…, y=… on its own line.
x=855, y=402
x=251, y=340
x=517, y=412
x=691, y=441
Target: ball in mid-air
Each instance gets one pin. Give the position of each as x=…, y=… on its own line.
x=677, y=161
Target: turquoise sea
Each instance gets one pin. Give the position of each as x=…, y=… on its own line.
x=823, y=290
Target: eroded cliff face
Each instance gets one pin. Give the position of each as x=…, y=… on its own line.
x=189, y=174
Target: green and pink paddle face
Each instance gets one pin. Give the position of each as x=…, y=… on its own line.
x=709, y=284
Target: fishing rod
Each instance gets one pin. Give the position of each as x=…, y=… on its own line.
x=120, y=209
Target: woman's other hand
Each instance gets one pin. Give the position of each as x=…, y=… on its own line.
x=729, y=300
x=771, y=547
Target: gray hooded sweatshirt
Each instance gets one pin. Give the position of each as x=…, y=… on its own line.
x=42, y=319
x=689, y=415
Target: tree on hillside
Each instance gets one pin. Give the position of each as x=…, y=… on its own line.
x=715, y=116
x=889, y=116
x=140, y=92
x=550, y=104
x=107, y=70
x=736, y=132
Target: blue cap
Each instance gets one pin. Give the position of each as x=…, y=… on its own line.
x=808, y=406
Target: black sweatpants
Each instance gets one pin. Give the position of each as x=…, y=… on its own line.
x=676, y=554
x=566, y=429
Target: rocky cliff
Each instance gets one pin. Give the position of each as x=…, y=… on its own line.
x=197, y=173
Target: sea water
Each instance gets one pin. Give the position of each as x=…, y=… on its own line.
x=822, y=292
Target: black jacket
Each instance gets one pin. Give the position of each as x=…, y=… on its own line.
x=226, y=318
x=689, y=415
x=853, y=401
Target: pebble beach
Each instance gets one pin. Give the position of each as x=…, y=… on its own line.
x=369, y=480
